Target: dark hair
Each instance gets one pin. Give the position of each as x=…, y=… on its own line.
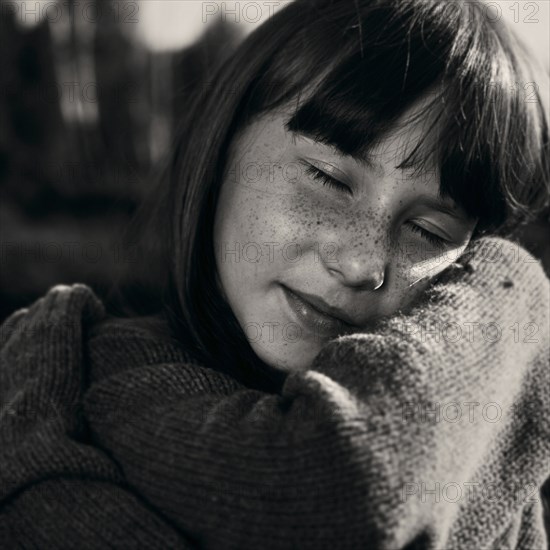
x=363, y=62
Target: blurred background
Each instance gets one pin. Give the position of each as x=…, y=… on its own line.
x=90, y=93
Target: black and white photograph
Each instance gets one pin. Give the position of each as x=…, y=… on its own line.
x=275, y=274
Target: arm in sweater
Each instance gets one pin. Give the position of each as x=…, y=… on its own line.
x=346, y=455
x=56, y=491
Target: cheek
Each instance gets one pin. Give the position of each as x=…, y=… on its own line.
x=412, y=278
x=255, y=231
x=272, y=215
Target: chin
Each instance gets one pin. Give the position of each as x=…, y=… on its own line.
x=287, y=362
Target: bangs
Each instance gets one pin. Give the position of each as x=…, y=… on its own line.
x=486, y=136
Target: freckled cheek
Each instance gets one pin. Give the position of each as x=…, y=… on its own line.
x=288, y=219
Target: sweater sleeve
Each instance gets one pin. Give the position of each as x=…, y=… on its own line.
x=393, y=439
x=57, y=491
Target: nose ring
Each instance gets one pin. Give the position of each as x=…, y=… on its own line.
x=379, y=285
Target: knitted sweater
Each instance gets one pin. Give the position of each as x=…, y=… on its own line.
x=431, y=432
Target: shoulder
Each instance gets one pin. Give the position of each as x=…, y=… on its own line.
x=117, y=344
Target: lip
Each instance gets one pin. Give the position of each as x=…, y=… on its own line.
x=314, y=313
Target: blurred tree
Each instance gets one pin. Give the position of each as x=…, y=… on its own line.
x=86, y=117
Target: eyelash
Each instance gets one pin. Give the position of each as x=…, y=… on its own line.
x=327, y=180
x=430, y=237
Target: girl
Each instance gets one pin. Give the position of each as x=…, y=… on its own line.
x=331, y=295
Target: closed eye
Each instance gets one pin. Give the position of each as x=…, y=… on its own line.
x=326, y=179
x=432, y=238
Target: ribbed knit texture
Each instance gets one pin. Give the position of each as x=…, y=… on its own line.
x=110, y=438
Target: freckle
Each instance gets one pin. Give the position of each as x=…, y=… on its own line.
x=507, y=283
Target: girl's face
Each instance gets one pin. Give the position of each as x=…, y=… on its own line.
x=311, y=244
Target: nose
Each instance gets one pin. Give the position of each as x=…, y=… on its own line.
x=359, y=264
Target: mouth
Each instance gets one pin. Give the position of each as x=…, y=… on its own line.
x=317, y=316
